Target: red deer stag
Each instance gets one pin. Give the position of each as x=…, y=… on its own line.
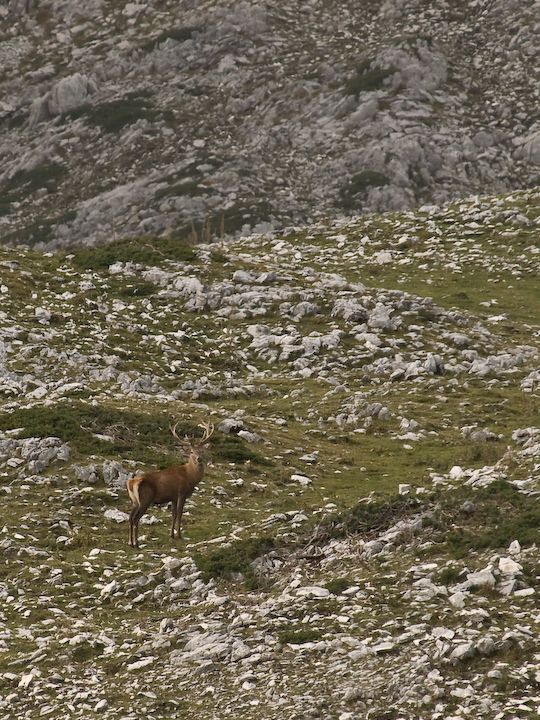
x=174, y=484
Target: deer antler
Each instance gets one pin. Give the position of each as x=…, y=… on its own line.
x=185, y=441
x=208, y=432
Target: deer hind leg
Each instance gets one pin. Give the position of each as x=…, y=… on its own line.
x=132, y=519
x=142, y=501
x=139, y=512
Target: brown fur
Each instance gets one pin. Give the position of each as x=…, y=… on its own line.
x=158, y=487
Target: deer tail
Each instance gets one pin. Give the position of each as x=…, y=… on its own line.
x=133, y=489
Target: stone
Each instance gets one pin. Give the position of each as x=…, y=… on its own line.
x=509, y=566
x=116, y=515
x=313, y=591
x=480, y=579
x=231, y=425
x=462, y=652
x=457, y=599
x=373, y=547
x=302, y=480
x=524, y=592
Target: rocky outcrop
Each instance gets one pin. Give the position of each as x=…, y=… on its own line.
x=152, y=118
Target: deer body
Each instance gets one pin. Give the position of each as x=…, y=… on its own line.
x=174, y=484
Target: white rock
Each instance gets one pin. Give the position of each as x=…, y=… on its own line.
x=442, y=632
x=138, y=664
x=509, y=566
x=458, y=599
x=383, y=647
x=383, y=257
x=116, y=515
x=525, y=592
x=301, y=479
x=480, y=579
x=171, y=563
x=462, y=652
x=313, y=591
x=108, y=589
x=42, y=315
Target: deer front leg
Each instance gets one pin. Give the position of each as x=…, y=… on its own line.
x=174, y=509
x=179, y=511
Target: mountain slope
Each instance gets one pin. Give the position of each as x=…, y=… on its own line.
x=158, y=117
x=363, y=544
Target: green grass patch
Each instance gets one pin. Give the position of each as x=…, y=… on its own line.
x=144, y=250
x=338, y=585
x=135, y=289
x=134, y=435
x=502, y=514
x=449, y=575
x=231, y=448
x=298, y=636
x=234, y=562
x=368, y=518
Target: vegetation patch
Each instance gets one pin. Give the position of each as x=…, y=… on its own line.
x=26, y=182
x=136, y=289
x=129, y=434
x=502, y=514
x=114, y=115
x=38, y=232
x=234, y=562
x=299, y=636
x=367, y=518
x=144, y=250
x=367, y=78
x=359, y=184
x=178, y=34
x=187, y=187
x=234, y=449
x=338, y=585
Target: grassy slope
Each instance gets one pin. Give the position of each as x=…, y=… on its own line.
x=459, y=266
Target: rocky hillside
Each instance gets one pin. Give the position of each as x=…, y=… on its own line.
x=365, y=542
x=158, y=117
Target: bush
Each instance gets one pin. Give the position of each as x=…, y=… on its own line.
x=26, y=182
x=298, y=636
x=234, y=560
x=179, y=34
x=502, y=514
x=367, y=79
x=359, y=184
x=113, y=116
x=338, y=585
x=233, y=449
x=368, y=518
x=144, y=250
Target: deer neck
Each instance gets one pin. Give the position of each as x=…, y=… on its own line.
x=195, y=471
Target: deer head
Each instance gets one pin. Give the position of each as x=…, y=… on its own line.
x=195, y=447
